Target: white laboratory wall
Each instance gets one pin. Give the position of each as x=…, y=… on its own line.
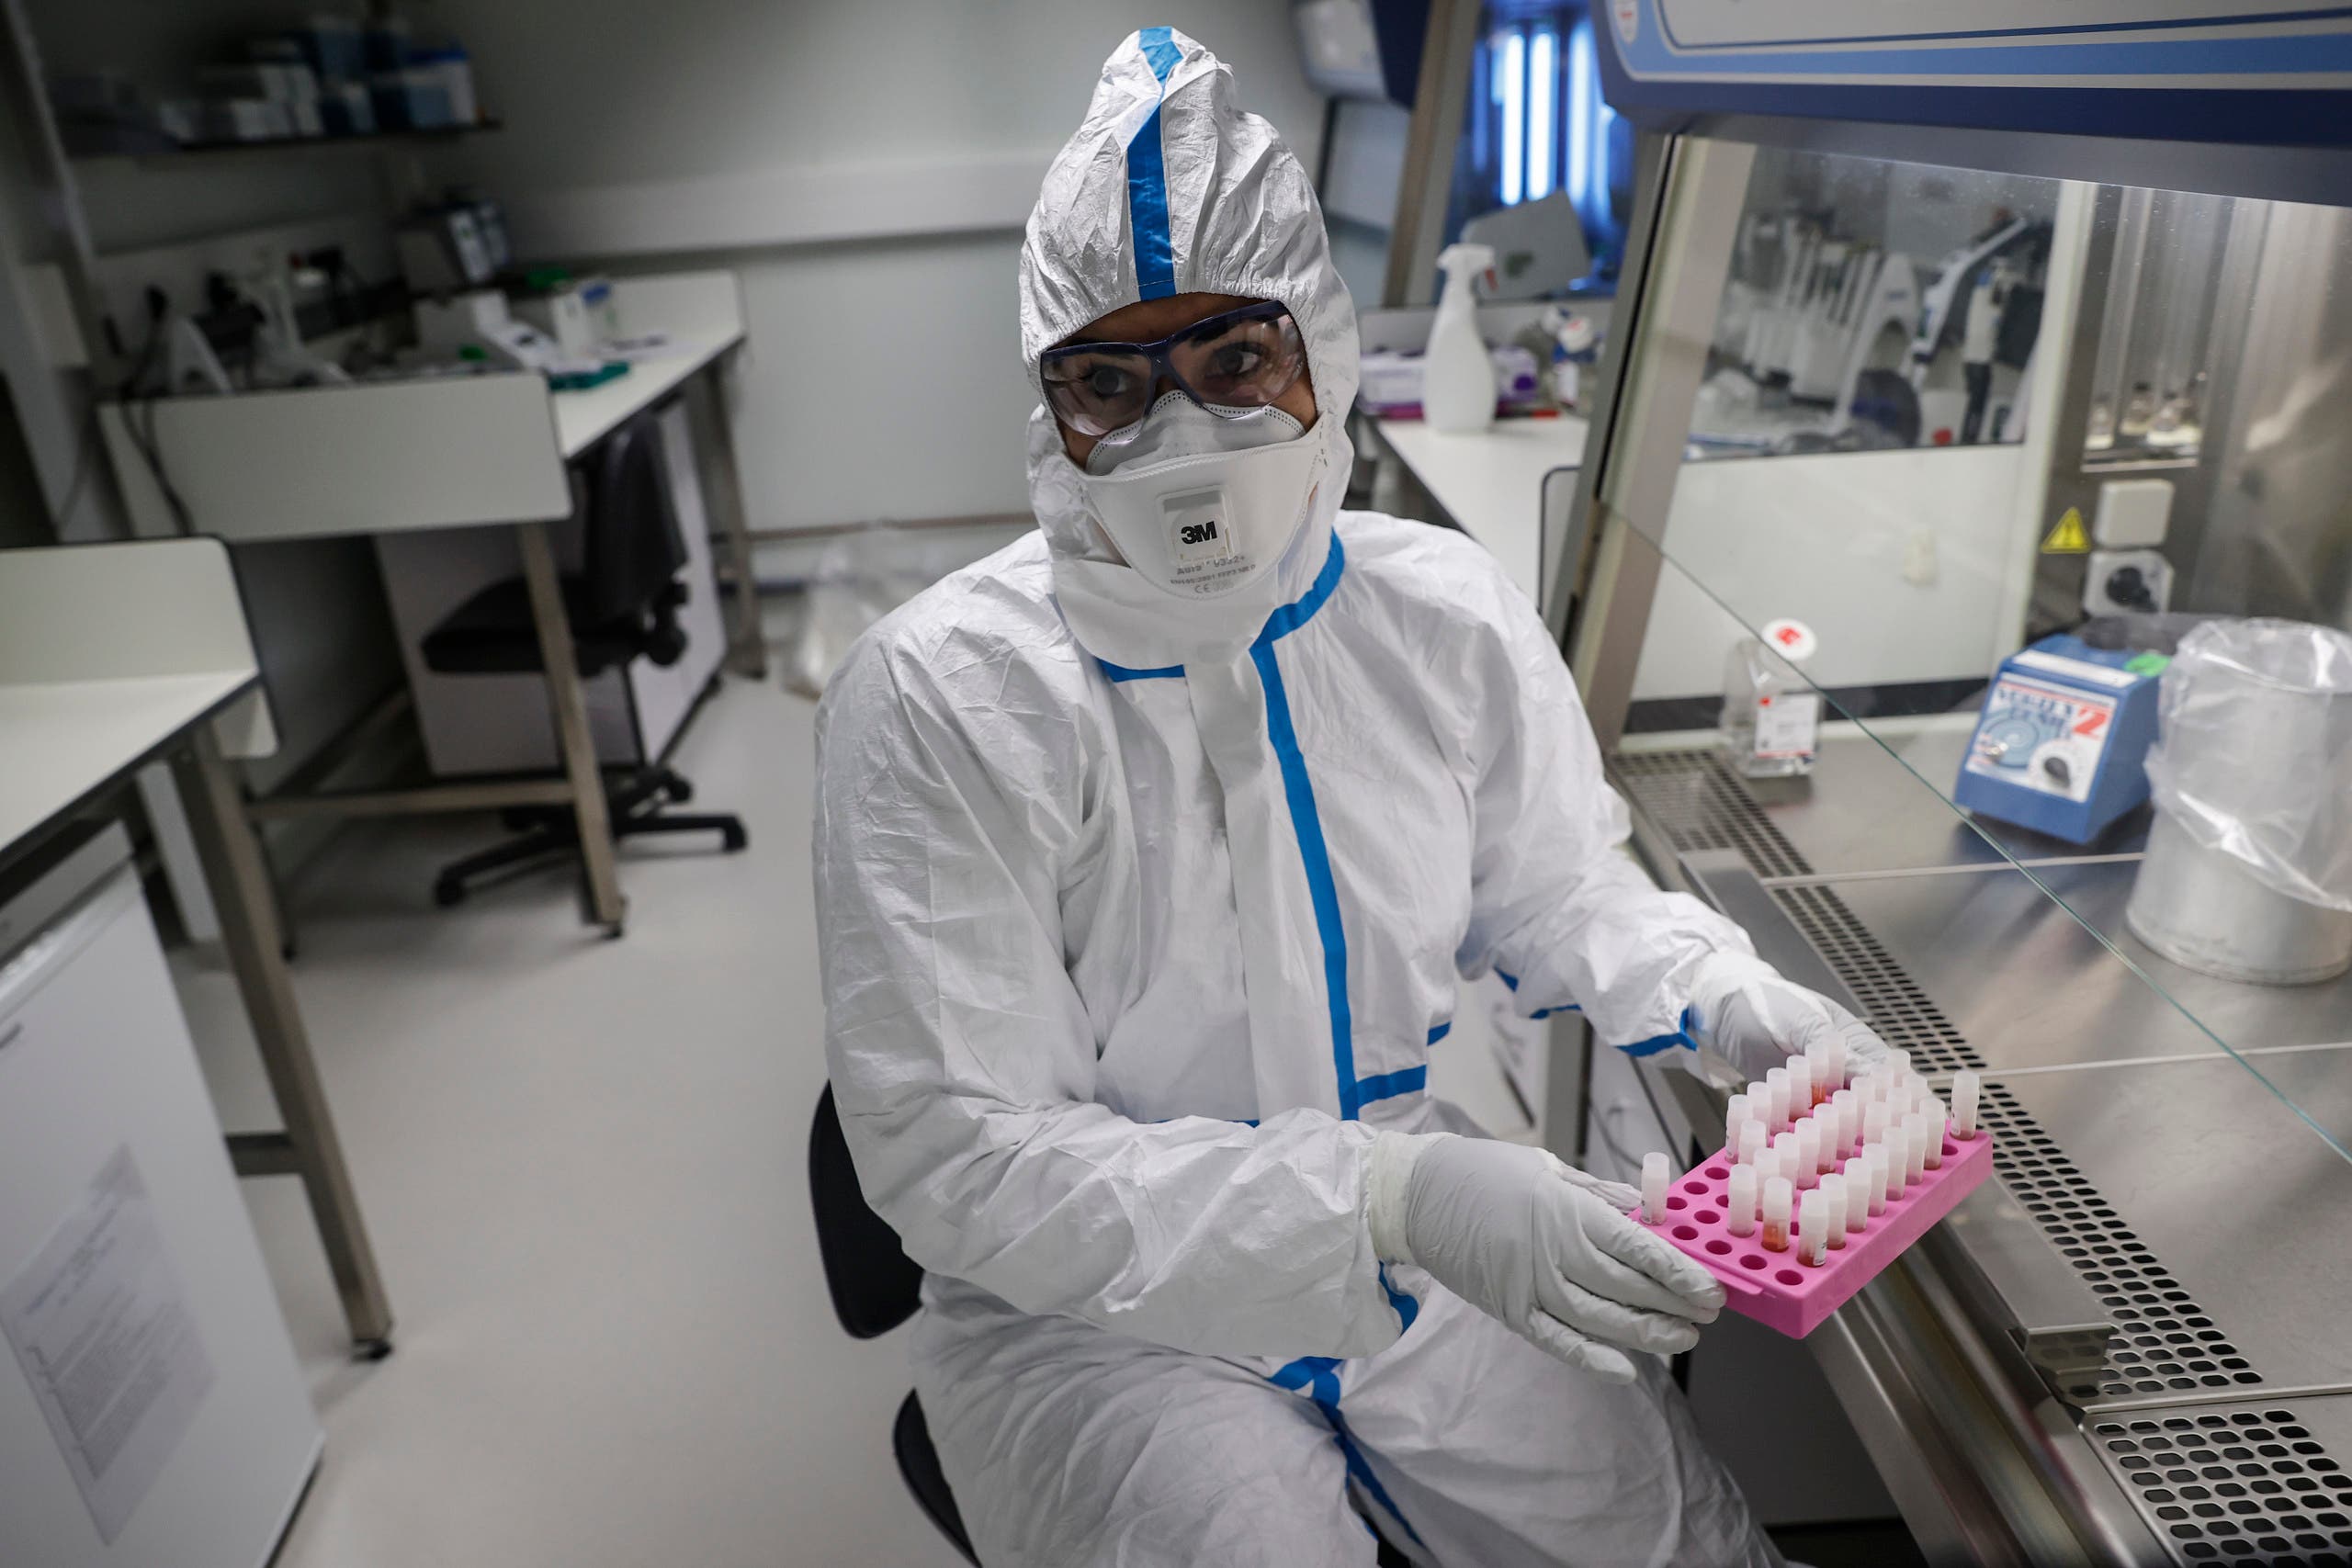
x=866, y=167
x=1900, y=562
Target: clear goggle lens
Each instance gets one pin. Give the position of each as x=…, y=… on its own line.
x=1229, y=364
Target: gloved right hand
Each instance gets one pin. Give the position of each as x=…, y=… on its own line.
x=1538, y=1245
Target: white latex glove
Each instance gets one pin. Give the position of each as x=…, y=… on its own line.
x=1750, y=1016
x=1539, y=1246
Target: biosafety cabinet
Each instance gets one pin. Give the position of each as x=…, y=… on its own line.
x=1979, y=401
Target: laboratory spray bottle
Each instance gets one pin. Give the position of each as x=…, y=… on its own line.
x=1457, y=377
x=1772, y=717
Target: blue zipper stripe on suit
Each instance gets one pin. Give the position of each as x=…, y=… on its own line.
x=1307, y=823
x=1319, y=1375
x=1147, y=181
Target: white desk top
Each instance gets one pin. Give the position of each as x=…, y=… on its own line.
x=1492, y=482
x=581, y=419
x=67, y=739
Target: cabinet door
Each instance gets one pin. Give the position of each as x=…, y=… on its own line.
x=96, y=1069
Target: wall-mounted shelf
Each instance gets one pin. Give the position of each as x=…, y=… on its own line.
x=201, y=153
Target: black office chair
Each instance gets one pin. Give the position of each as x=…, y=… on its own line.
x=621, y=605
x=875, y=1287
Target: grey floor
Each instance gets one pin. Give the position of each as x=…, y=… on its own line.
x=583, y=1164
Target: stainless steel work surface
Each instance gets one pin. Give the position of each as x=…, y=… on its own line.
x=1872, y=804
x=2213, y=1224
x=2261, y=1482
x=2243, y=1015
x=2027, y=985
x=2019, y=978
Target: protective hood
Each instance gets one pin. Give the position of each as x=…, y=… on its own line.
x=1170, y=188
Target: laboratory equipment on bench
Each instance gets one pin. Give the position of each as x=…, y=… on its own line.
x=1771, y=727
x=1791, y=1245
x=1539, y=247
x=2248, y=874
x=477, y=325
x=456, y=245
x=1457, y=374
x=2062, y=741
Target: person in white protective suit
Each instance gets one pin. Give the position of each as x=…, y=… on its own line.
x=1149, y=853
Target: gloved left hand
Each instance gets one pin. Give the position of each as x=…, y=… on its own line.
x=1747, y=1014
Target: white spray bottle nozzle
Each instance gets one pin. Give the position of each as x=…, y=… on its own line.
x=1462, y=260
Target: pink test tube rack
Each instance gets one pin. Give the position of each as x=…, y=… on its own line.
x=1775, y=1287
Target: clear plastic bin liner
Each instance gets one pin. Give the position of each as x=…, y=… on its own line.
x=863, y=575
x=2254, y=759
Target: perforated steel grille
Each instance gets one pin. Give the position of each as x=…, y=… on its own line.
x=1897, y=1007
x=1697, y=802
x=2238, y=1486
x=2165, y=1344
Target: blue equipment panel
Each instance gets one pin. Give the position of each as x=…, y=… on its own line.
x=2061, y=744
x=2271, y=73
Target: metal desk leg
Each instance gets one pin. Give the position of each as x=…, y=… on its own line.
x=241, y=890
x=749, y=652
x=572, y=738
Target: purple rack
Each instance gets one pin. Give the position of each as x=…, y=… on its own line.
x=1774, y=1288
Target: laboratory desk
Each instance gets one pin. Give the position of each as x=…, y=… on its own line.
x=1501, y=486
x=2128, y=1348
x=112, y=657
x=404, y=458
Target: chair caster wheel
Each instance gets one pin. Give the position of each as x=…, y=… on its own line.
x=447, y=893
x=371, y=1349
x=678, y=789
x=733, y=838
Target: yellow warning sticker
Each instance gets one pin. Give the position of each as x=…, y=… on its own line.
x=2070, y=537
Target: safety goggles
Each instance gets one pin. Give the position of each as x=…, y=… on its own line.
x=1230, y=364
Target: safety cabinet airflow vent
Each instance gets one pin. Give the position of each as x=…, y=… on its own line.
x=2238, y=1486
x=2166, y=1347
x=1698, y=803
x=2164, y=1343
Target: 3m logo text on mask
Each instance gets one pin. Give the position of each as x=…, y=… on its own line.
x=1198, y=527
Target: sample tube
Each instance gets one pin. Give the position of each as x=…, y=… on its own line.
x=1965, y=1087
x=1776, y=1086
x=1858, y=1195
x=1899, y=1061
x=1752, y=1139
x=1875, y=1117
x=1735, y=1117
x=1834, y=1051
x=1654, y=1177
x=1760, y=1101
x=1848, y=1110
x=1779, y=1196
x=1876, y=1163
x=1874, y=1086
x=1915, y=1144
x=1833, y=1186
x=1742, y=1206
x=1808, y=1151
x=1812, y=1228
x=1898, y=1158
x=1800, y=1069
x=1768, y=1166
x=1933, y=1117
x=1786, y=1149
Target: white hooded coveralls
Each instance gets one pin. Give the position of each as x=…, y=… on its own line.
x=1134, y=932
